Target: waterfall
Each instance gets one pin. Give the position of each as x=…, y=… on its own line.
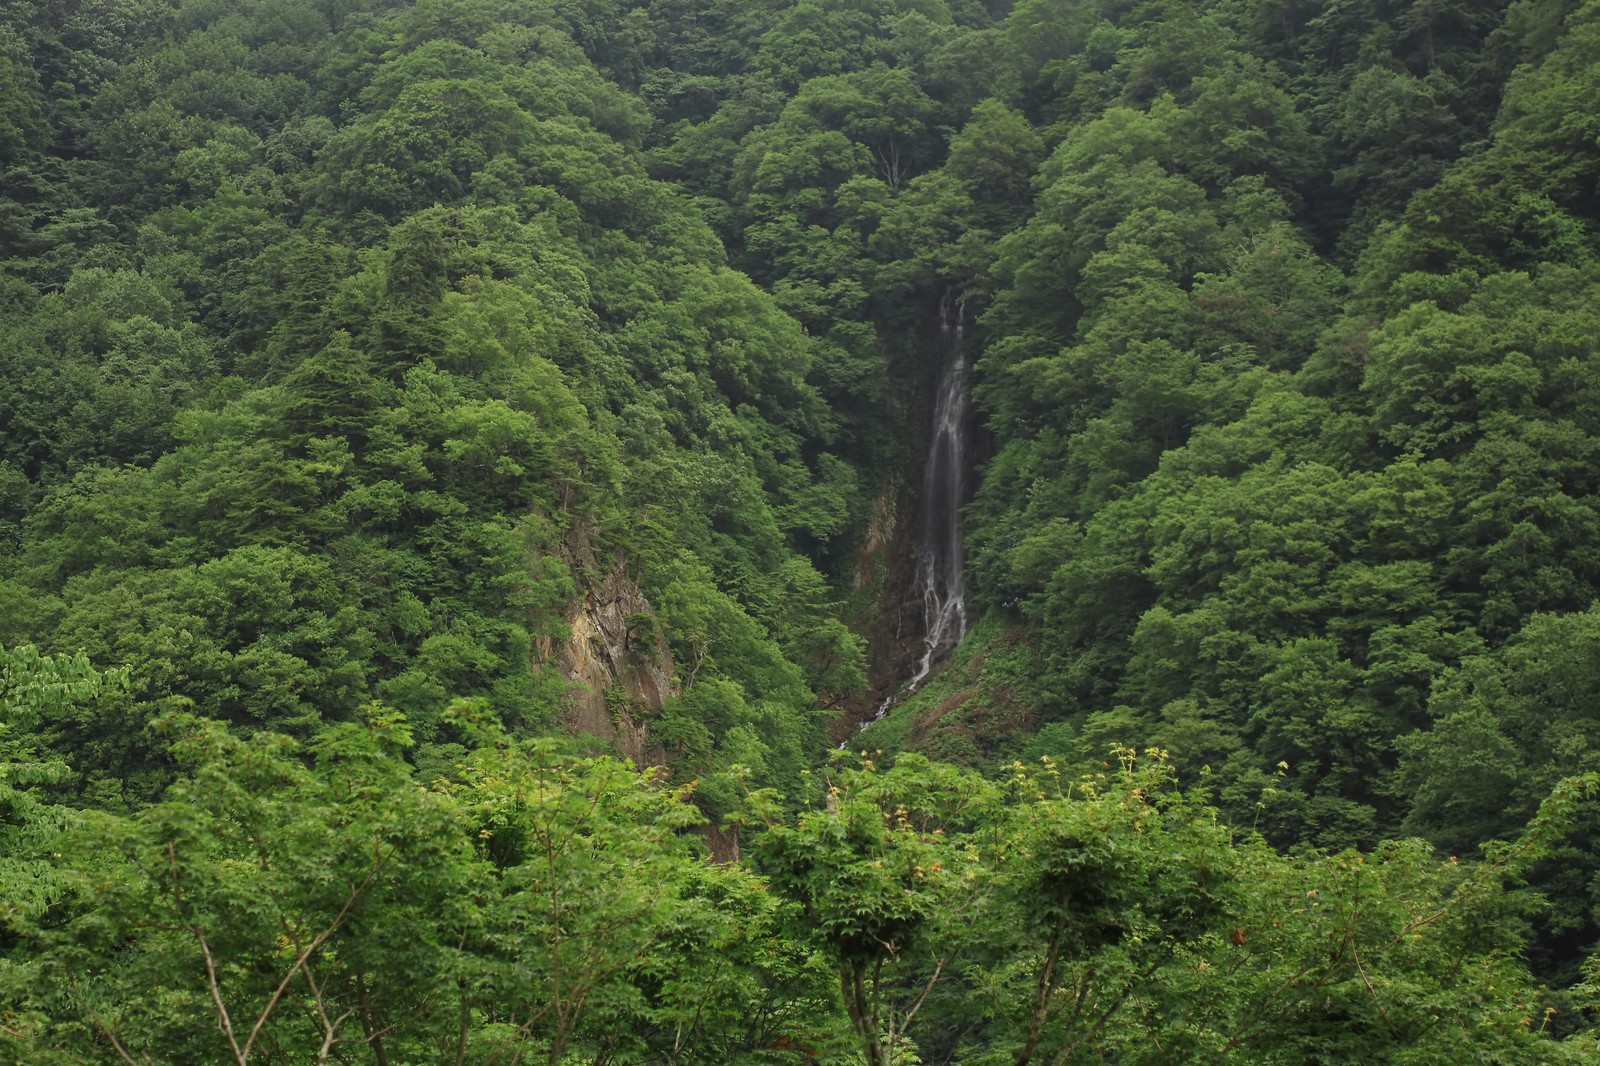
x=946, y=487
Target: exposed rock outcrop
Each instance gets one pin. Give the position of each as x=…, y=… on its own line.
x=887, y=606
x=621, y=669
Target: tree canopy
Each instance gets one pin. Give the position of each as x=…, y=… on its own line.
x=459, y=470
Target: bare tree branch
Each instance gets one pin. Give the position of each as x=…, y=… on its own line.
x=379, y=861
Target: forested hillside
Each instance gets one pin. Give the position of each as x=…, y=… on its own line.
x=414, y=412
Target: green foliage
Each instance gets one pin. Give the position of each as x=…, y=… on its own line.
x=35, y=690
x=438, y=313
x=284, y=902
x=354, y=349
x=1113, y=916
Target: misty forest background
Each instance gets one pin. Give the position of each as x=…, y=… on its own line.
x=459, y=475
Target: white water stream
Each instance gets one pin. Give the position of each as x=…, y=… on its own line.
x=946, y=487
x=941, y=559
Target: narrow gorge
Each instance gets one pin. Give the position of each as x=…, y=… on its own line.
x=924, y=606
x=946, y=488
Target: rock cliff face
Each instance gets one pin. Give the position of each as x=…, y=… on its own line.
x=621, y=671
x=619, y=665
x=888, y=610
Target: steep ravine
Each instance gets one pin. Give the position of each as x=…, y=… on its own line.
x=913, y=560
x=909, y=585
x=946, y=489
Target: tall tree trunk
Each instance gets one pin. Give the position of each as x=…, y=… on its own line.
x=853, y=986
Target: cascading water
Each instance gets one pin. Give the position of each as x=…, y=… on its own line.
x=941, y=559
x=946, y=488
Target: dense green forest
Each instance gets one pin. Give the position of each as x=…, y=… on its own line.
x=460, y=470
